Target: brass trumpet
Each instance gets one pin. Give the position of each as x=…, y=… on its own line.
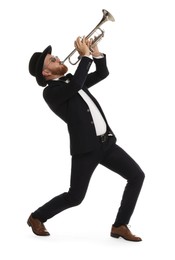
x=106, y=17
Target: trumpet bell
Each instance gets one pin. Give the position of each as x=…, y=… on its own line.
x=108, y=15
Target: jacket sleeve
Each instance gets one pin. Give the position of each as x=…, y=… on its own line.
x=59, y=91
x=100, y=73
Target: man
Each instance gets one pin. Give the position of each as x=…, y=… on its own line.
x=92, y=141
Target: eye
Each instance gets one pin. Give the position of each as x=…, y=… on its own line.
x=53, y=59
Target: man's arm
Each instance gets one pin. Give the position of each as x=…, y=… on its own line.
x=58, y=91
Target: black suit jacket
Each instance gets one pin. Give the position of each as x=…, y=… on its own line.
x=65, y=101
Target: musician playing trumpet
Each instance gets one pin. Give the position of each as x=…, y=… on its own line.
x=92, y=141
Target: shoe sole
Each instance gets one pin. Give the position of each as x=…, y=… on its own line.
x=117, y=236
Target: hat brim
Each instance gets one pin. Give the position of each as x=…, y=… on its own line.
x=39, y=67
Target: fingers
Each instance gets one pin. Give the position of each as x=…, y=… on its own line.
x=81, y=41
x=82, y=45
x=78, y=43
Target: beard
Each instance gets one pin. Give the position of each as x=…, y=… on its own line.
x=61, y=70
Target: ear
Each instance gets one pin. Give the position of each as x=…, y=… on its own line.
x=46, y=73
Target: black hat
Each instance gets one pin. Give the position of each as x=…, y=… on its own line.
x=36, y=65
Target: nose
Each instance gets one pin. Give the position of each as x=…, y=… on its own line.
x=57, y=59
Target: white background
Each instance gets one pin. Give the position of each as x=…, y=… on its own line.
x=138, y=100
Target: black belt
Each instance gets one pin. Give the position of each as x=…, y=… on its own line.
x=103, y=138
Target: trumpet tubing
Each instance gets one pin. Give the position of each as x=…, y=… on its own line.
x=106, y=17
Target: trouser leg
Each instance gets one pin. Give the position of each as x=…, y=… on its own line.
x=119, y=161
x=81, y=172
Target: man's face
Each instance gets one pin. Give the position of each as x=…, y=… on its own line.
x=53, y=65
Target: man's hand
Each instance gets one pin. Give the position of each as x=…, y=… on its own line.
x=94, y=48
x=82, y=46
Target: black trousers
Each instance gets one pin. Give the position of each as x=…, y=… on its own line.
x=114, y=158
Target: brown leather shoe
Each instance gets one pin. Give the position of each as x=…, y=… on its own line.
x=124, y=232
x=37, y=226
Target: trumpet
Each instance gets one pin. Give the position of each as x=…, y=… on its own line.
x=107, y=16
